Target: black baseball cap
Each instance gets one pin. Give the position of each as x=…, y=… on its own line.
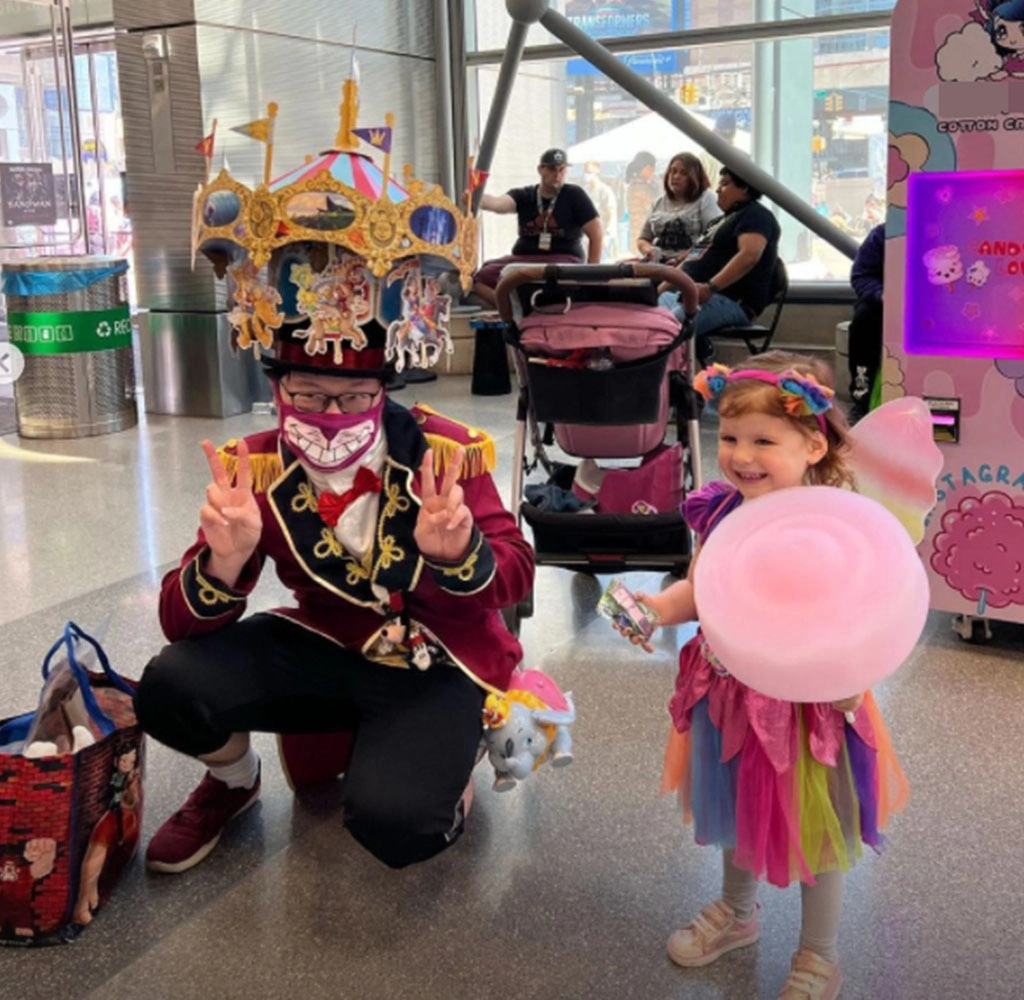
x=553, y=158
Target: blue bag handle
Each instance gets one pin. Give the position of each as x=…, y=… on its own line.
x=71, y=633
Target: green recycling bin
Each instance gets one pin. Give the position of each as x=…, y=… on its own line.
x=69, y=316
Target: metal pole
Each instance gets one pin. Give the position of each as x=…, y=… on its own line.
x=445, y=120
x=93, y=99
x=458, y=20
x=33, y=107
x=502, y=92
x=734, y=159
x=67, y=30
x=60, y=121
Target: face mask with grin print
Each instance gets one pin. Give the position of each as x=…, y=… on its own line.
x=330, y=441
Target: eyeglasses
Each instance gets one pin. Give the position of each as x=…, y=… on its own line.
x=317, y=402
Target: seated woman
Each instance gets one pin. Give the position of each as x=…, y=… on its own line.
x=681, y=214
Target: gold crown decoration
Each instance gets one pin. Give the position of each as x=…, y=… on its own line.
x=340, y=198
x=337, y=233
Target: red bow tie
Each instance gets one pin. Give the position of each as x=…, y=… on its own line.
x=331, y=506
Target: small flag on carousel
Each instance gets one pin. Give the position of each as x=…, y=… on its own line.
x=205, y=147
x=262, y=129
x=379, y=138
x=477, y=178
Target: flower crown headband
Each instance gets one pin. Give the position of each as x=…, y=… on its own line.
x=802, y=395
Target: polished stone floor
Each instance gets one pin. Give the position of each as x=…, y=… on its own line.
x=566, y=887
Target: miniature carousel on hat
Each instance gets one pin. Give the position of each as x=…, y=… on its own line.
x=333, y=249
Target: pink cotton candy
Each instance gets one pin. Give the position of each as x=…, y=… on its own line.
x=811, y=594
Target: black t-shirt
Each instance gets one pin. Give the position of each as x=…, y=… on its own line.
x=720, y=243
x=572, y=210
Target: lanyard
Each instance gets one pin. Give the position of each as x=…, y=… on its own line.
x=546, y=212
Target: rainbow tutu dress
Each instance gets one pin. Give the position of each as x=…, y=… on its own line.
x=794, y=789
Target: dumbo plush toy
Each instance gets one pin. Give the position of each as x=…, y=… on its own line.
x=527, y=726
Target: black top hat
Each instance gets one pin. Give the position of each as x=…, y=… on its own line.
x=295, y=351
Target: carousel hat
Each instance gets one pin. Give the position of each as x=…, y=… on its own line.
x=325, y=260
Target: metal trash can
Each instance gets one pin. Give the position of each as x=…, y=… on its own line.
x=70, y=318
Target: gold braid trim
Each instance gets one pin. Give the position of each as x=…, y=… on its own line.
x=265, y=467
x=480, y=455
x=479, y=445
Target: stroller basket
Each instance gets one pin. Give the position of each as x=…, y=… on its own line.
x=628, y=393
x=609, y=543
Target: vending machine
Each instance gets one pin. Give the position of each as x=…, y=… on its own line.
x=954, y=287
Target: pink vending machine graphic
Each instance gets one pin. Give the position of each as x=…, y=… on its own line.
x=954, y=288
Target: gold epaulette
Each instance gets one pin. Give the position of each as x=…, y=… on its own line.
x=265, y=466
x=445, y=435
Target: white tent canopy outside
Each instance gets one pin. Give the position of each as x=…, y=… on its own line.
x=648, y=132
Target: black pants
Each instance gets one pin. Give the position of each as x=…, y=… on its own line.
x=865, y=351
x=417, y=732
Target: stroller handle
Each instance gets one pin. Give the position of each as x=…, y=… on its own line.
x=525, y=274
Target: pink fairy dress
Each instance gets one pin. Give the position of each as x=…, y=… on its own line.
x=794, y=788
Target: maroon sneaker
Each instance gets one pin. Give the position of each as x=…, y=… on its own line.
x=193, y=831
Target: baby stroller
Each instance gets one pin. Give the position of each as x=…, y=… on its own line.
x=601, y=368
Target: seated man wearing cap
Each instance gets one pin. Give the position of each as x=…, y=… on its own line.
x=385, y=525
x=553, y=218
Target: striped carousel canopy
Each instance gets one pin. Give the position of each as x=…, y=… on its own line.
x=354, y=169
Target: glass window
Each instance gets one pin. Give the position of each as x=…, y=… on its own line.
x=822, y=132
x=32, y=101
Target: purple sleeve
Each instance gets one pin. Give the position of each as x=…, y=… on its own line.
x=868, y=269
x=700, y=507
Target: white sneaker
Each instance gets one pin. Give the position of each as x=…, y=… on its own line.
x=712, y=933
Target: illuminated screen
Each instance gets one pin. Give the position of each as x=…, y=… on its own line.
x=965, y=265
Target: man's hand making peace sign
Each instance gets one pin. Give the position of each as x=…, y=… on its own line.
x=445, y=523
x=230, y=518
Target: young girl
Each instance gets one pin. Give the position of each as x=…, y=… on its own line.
x=788, y=791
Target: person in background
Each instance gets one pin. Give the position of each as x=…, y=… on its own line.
x=732, y=263
x=681, y=214
x=605, y=202
x=553, y=219
x=865, y=342
x=641, y=192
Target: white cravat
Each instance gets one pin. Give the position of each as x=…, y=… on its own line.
x=356, y=526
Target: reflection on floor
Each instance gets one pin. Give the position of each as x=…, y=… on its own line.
x=566, y=887
x=7, y=422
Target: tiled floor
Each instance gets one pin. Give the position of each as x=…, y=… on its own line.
x=566, y=887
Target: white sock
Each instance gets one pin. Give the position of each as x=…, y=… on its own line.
x=241, y=774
